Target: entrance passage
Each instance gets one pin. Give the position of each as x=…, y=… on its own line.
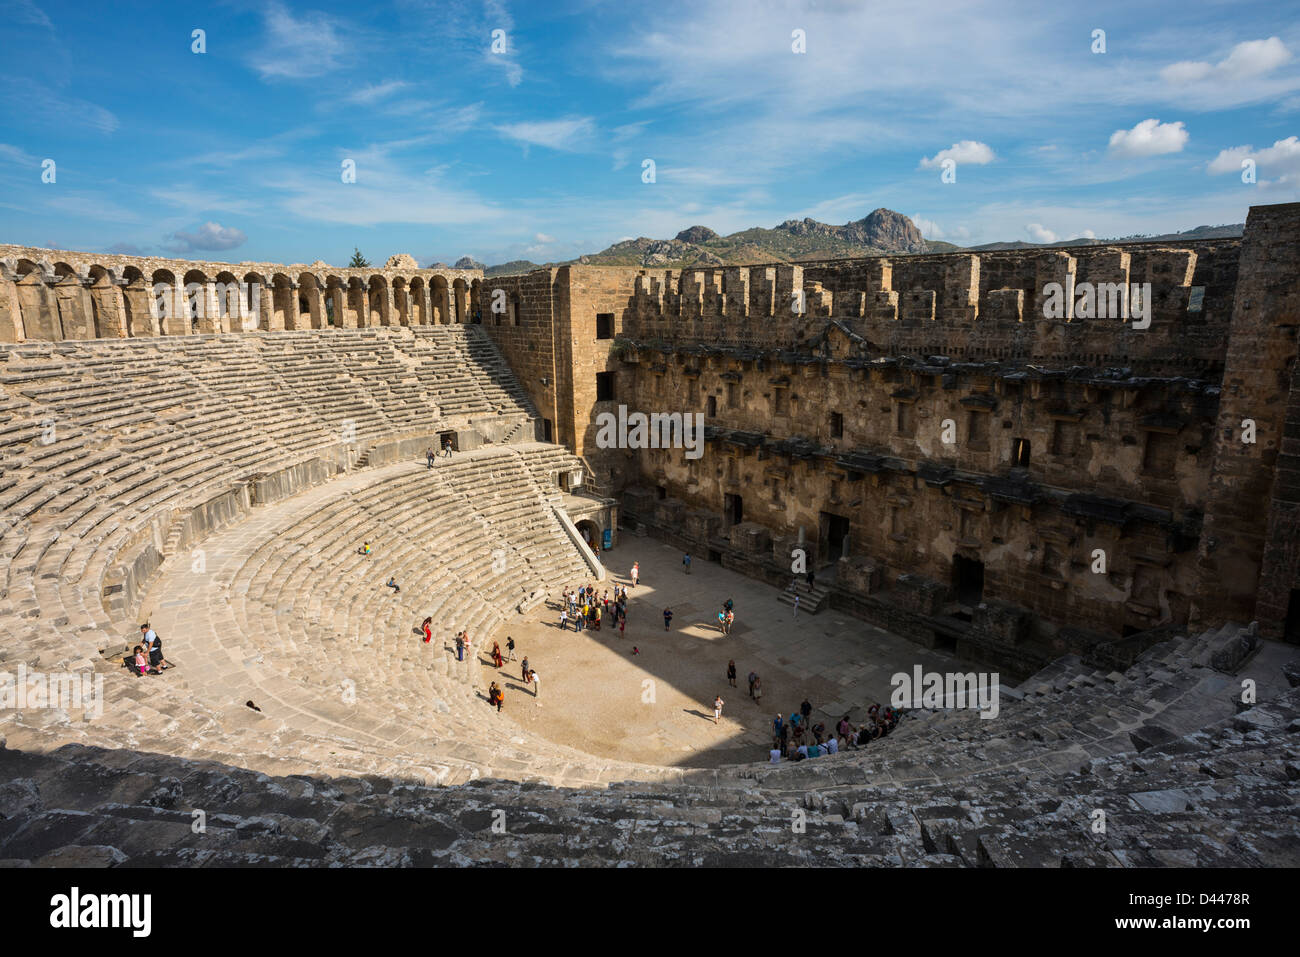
x=1291, y=630
x=733, y=509
x=445, y=439
x=834, y=531
x=967, y=579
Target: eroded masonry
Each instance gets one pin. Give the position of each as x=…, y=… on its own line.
x=956, y=465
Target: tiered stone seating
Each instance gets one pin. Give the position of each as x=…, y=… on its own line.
x=363, y=726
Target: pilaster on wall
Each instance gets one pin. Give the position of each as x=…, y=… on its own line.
x=1257, y=379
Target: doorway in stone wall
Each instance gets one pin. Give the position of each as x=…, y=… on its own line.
x=733, y=507
x=967, y=579
x=832, y=535
x=1291, y=627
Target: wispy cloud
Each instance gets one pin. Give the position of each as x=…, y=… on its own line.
x=298, y=46
x=50, y=108
x=571, y=133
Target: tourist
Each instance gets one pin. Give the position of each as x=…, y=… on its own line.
x=532, y=679
x=845, y=729
x=428, y=458
x=805, y=709
x=446, y=448
x=497, y=660
x=523, y=669
x=728, y=605
x=636, y=570
x=460, y=646
x=774, y=755
x=510, y=649
x=141, y=662
x=427, y=627
x=365, y=549
x=814, y=750
x=686, y=562
x=564, y=618
x=668, y=618
x=796, y=606
x=495, y=696
x=730, y=619
x=595, y=613
x=802, y=752
x=752, y=676
x=636, y=650
x=811, y=578
x=722, y=622
x=758, y=690
x=392, y=583
x=153, y=647
x=622, y=625
x=731, y=672
x=717, y=708
x=832, y=746
x=785, y=739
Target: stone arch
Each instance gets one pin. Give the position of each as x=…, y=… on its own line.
x=172, y=321
x=228, y=302
x=475, y=305
x=419, y=292
x=440, y=299
x=310, y=302
x=336, y=295
x=199, y=309
x=357, y=313
x=461, y=296
x=256, y=295
x=380, y=301
x=401, y=302
x=284, y=303
x=137, y=312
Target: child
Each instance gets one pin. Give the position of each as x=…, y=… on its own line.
x=636, y=650
x=427, y=625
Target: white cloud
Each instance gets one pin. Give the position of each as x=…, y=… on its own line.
x=1040, y=234
x=298, y=47
x=967, y=151
x=1085, y=234
x=543, y=238
x=1279, y=162
x=1149, y=138
x=376, y=92
x=928, y=227
x=1249, y=59
x=570, y=134
x=209, y=236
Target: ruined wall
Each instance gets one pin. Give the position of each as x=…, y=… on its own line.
x=54, y=295
x=1251, y=512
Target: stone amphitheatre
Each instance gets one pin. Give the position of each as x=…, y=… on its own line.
x=1103, y=512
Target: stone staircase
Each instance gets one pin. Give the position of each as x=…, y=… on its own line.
x=810, y=602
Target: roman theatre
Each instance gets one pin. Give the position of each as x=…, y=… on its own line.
x=1101, y=508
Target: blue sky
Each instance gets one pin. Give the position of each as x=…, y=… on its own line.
x=537, y=152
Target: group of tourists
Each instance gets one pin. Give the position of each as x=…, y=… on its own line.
x=796, y=738
x=588, y=609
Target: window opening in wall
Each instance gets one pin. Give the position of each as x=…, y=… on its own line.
x=1195, y=299
x=605, y=325
x=837, y=425
x=604, y=387
x=712, y=406
x=1020, y=453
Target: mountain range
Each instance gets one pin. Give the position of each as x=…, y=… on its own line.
x=881, y=232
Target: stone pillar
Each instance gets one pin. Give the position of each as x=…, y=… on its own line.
x=209, y=309
x=1256, y=386
x=76, y=314
x=110, y=311
x=11, y=315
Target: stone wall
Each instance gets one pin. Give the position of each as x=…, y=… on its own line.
x=53, y=295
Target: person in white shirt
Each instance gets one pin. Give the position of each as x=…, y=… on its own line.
x=533, y=676
x=775, y=755
x=832, y=746
x=717, y=708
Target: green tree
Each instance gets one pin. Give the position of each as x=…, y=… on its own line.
x=358, y=261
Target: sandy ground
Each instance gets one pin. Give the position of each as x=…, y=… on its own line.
x=657, y=707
